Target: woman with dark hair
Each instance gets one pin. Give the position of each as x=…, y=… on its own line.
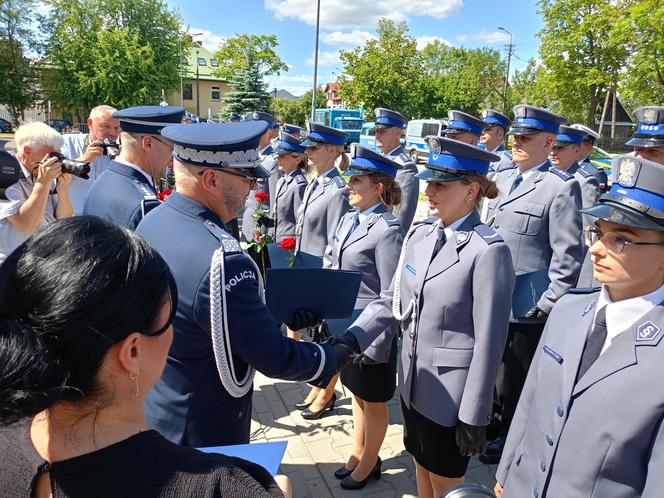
x=85, y=326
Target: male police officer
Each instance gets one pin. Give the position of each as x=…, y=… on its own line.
x=463, y=127
x=125, y=192
x=266, y=185
x=223, y=330
x=563, y=156
x=537, y=213
x=583, y=157
x=493, y=140
x=389, y=126
x=590, y=419
x=293, y=130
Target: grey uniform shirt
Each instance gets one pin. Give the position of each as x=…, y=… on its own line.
x=288, y=195
x=74, y=146
x=589, y=190
x=505, y=161
x=410, y=187
x=12, y=236
x=603, y=434
x=541, y=224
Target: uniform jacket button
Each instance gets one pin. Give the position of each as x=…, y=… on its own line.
x=410, y=354
x=542, y=466
x=559, y=410
x=496, y=226
x=549, y=440
x=536, y=492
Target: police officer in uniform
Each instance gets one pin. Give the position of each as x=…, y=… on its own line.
x=223, y=331
x=563, y=157
x=289, y=191
x=293, y=130
x=451, y=294
x=388, y=126
x=125, y=192
x=537, y=213
x=583, y=157
x=493, y=140
x=463, y=127
x=590, y=419
x=266, y=185
x=326, y=198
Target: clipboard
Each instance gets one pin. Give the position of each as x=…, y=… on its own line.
x=267, y=455
x=528, y=289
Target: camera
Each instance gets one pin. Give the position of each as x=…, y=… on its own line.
x=10, y=172
x=73, y=166
x=111, y=147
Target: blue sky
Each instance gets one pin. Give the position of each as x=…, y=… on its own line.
x=346, y=24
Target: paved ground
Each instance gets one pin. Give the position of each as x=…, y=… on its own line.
x=317, y=448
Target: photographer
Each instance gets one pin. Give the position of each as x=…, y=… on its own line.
x=42, y=195
x=91, y=148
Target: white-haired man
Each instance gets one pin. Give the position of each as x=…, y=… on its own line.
x=87, y=147
x=41, y=196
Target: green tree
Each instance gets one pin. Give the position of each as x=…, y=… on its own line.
x=527, y=87
x=297, y=111
x=233, y=55
x=643, y=81
x=584, y=46
x=384, y=72
x=249, y=92
x=20, y=80
x=117, y=52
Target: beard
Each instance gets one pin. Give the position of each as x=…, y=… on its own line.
x=233, y=200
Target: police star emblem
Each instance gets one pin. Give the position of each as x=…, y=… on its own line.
x=650, y=116
x=434, y=145
x=628, y=172
x=520, y=111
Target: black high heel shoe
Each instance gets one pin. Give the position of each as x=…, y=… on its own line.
x=342, y=472
x=309, y=415
x=351, y=484
x=303, y=406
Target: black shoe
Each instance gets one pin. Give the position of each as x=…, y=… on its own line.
x=494, y=451
x=342, y=472
x=352, y=484
x=302, y=406
x=309, y=415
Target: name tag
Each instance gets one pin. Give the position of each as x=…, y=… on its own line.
x=411, y=269
x=553, y=354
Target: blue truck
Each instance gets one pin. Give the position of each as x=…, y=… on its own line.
x=347, y=120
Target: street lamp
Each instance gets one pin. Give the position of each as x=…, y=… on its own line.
x=198, y=93
x=509, y=59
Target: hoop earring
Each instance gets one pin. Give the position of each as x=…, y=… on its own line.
x=134, y=377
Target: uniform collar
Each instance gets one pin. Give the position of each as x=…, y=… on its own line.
x=332, y=172
x=527, y=174
x=133, y=166
x=193, y=208
x=621, y=315
x=365, y=214
x=499, y=148
x=449, y=230
x=395, y=152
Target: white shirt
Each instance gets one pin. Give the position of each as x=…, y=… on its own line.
x=621, y=315
x=363, y=215
x=320, y=177
x=527, y=174
x=133, y=166
x=449, y=231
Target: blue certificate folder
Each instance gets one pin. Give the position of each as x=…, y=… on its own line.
x=528, y=289
x=326, y=293
x=267, y=455
x=279, y=258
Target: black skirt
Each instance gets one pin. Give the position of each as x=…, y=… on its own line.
x=373, y=383
x=433, y=446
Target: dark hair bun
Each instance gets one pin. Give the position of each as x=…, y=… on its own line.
x=37, y=377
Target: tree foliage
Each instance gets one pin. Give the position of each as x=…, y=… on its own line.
x=20, y=80
x=296, y=111
x=248, y=91
x=233, y=55
x=117, y=52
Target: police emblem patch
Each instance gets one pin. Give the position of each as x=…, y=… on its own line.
x=629, y=171
x=650, y=116
x=589, y=307
x=485, y=113
x=434, y=146
x=520, y=111
x=461, y=237
x=647, y=331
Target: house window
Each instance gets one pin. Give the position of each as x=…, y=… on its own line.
x=215, y=93
x=183, y=61
x=187, y=92
x=201, y=61
x=214, y=63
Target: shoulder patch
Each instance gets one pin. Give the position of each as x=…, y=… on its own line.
x=145, y=192
x=561, y=174
x=584, y=172
x=487, y=234
x=584, y=290
x=227, y=242
x=405, y=157
x=339, y=182
x=390, y=219
x=300, y=179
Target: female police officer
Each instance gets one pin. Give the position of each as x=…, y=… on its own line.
x=452, y=293
x=590, y=418
x=369, y=240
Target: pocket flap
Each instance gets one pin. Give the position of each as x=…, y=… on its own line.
x=446, y=357
x=532, y=209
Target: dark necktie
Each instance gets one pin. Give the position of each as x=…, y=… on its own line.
x=356, y=223
x=517, y=182
x=440, y=242
x=594, y=343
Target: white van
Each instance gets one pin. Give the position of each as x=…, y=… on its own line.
x=417, y=129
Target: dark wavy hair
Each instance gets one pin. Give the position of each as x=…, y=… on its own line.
x=67, y=294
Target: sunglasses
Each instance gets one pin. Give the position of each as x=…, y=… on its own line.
x=250, y=180
x=614, y=242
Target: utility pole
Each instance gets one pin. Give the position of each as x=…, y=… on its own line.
x=507, y=76
x=313, y=95
x=198, y=93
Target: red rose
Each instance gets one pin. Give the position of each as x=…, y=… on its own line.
x=163, y=195
x=261, y=196
x=288, y=243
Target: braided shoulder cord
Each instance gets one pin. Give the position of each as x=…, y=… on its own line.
x=396, y=299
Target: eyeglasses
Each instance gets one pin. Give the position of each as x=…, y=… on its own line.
x=614, y=243
x=251, y=181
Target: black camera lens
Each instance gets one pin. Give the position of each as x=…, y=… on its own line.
x=111, y=147
x=72, y=166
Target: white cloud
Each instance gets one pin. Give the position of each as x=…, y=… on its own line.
x=423, y=41
x=352, y=38
x=339, y=14
x=326, y=59
x=208, y=38
x=484, y=36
